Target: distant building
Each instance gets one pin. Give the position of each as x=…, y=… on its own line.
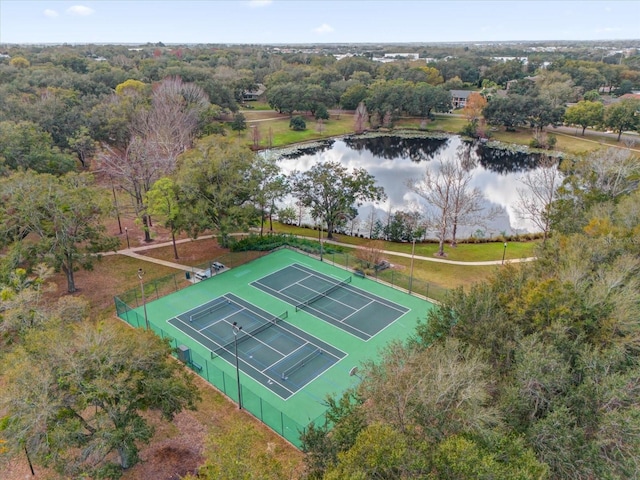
x=523, y=60
x=412, y=56
x=253, y=95
x=459, y=98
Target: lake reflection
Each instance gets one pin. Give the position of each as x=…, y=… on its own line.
x=395, y=160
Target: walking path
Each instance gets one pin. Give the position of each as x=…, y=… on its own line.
x=132, y=252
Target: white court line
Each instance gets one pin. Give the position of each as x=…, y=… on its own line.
x=363, y=293
x=292, y=392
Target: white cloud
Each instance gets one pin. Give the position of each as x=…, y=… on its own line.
x=607, y=30
x=80, y=10
x=259, y=3
x=324, y=28
x=50, y=13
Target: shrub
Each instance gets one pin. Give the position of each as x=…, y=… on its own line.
x=297, y=124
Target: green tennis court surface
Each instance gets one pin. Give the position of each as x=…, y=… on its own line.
x=290, y=362
x=333, y=300
x=281, y=357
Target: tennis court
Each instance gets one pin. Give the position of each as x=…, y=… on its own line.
x=280, y=356
x=287, y=368
x=331, y=299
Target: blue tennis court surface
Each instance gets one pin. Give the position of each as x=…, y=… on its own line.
x=275, y=353
x=333, y=300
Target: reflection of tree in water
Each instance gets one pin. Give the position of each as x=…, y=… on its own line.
x=467, y=155
x=391, y=148
x=506, y=161
x=316, y=148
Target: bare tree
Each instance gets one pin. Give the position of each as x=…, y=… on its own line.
x=614, y=172
x=360, y=117
x=539, y=192
x=136, y=171
x=370, y=221
x=169, y=126
x=466, y=202
x=370, y=254
x=437, y=188
x=158, y=134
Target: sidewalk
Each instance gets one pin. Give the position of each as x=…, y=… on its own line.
x=131, y=252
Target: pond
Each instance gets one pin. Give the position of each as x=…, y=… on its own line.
x=393, y=161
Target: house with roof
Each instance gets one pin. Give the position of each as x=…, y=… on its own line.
x=253, y=95
x=459, y=98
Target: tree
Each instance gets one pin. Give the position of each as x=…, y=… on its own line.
x=535, y=199
x=437, y=188
x=19, y=62
x=271, y=186
x=585, y=114
x=64, y=214
x=24, y=145
x=332, y=192
x=360, y=117
x=321, y=113
x=379, y=452
x=83, y=144
x=239, y=123
x=87, y=400
x=509, y=111
x=433, y=75
x=466, y=202
x=297, y=124
x=439, y=391
x=25, y=305
x=371, y=253
x=353, y=96
x=287, y=215
x=623, y=115
x=216, y=187
x=472, y=110
x=163, y=200
x=427, y=98
x=232, y=455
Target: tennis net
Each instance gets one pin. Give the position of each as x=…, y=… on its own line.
x=243, y=335
x=300, y=363
x=320, y=295
x=209, y=310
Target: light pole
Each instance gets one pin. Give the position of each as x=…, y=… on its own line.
x=320, y=238
x=504, y=252
x=144, y=302
x=236, y=331
x=126, y=232
x=413, y=251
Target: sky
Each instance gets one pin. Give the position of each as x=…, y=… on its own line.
x=312, y=22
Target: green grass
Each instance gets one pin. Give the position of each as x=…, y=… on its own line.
x=283, y=135
x=464, y=252
x=441, y=123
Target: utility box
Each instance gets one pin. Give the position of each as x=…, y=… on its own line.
x=184, y=354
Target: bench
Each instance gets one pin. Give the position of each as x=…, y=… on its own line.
x=196, y=366
x=359, y=273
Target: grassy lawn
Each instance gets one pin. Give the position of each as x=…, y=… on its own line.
x=464, y=252
x=283, y=135
x=441, y=123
